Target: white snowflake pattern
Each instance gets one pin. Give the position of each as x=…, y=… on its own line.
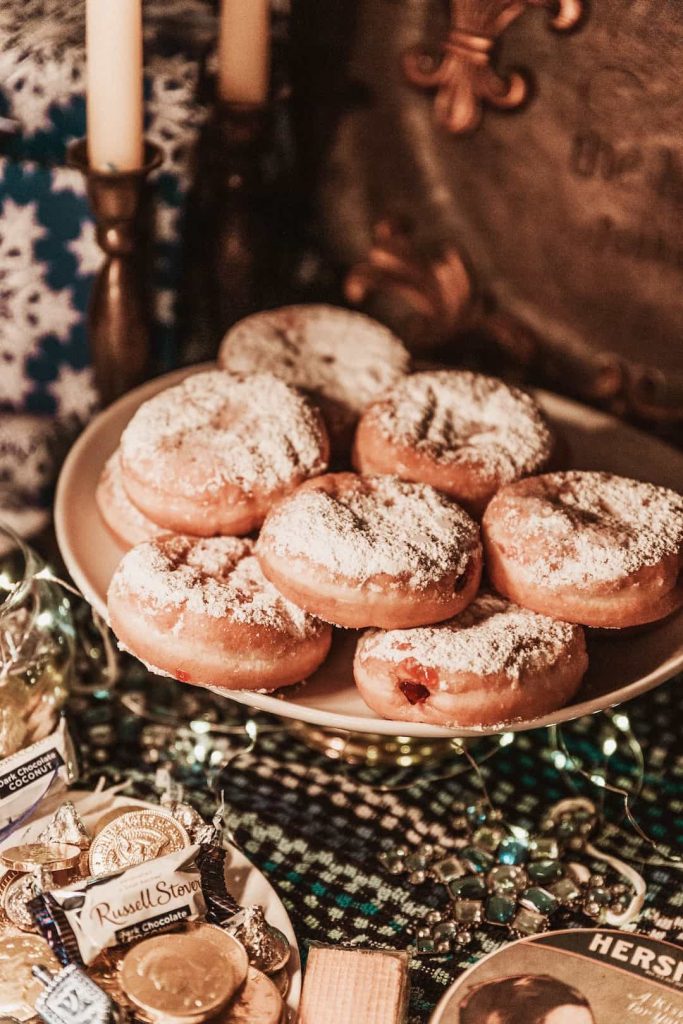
x=26, y=456
x=68, y=179
x=50, y=22
x=32, y=85
x=20, y=229
x=86, y=250
x=174, y=115
x=15, y=383
x=28, y=309
x=74, y=392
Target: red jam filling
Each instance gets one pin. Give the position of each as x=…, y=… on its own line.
x=184, y=677
x=414, y=693
x=416, y=680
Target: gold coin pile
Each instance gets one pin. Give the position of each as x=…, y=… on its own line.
x=200, y=974
x=51, y=856
x=18, y=988
x=28, y=868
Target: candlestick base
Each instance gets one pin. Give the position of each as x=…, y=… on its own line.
x=118, y=313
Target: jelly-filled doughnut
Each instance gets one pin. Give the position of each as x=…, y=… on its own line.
x=126, y=522
x=492, y=664
x=200, y=610
x=342, y=359
x=372, y=551
x=461, y=432
x=211, y=455
x=587, y=547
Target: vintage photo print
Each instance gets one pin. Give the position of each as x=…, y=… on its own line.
x=583, y=976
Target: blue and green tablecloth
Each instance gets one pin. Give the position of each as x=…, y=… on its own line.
x=316, y=827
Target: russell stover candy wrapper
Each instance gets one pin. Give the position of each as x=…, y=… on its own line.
x=118, y=909
x=27, y=776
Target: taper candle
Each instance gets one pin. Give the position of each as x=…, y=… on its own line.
x=114, y=84
x=244, y=51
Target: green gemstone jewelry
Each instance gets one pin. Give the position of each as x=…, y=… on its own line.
x=500, y=875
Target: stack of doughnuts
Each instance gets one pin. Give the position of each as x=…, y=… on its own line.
x=451, y=486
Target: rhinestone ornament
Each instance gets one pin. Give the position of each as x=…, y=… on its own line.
x=504, y=880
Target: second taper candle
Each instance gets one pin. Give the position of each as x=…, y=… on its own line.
x=114, y=84
x=244, y=51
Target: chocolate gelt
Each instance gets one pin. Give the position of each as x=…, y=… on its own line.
x=135, y=837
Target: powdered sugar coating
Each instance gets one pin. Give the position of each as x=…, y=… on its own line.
x=137, y=525
x=374, y=527
x=491, y=636
x=217, y=576
x=455, y=416
x=226, y=429
x=578, y=528
x=343, y=356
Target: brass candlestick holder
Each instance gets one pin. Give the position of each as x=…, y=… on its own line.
x=226, y=239
x=118, y=313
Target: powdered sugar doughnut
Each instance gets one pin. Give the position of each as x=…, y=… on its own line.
x=587, y=547
x=200, y=610
x=492, y=664
x=372, y=551
x=344, y=360
x=126, y=522
x=461, y=432
x=211, y=455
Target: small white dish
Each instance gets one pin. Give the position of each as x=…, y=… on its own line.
x=246, y=883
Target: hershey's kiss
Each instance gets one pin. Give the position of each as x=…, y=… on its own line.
x=267, y=947
x=66, y=826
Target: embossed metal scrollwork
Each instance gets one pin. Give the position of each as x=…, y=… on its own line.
x=438, y=289
x=465, y=79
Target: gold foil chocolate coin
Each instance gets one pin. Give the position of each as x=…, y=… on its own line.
x=52, y=856
x=135, y=837
x=105, y=971
x=18, y=988
x=5, y=879
x=186, y=978
x=281, y=981
x=258, y=1002
x=112, y=815
x=15, y=901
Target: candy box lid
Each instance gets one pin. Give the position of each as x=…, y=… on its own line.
x=579, y=976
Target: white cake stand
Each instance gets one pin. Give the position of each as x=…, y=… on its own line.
x=327, y=709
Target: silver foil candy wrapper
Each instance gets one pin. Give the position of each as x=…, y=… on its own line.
x=267, y=947
x=71, y=997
